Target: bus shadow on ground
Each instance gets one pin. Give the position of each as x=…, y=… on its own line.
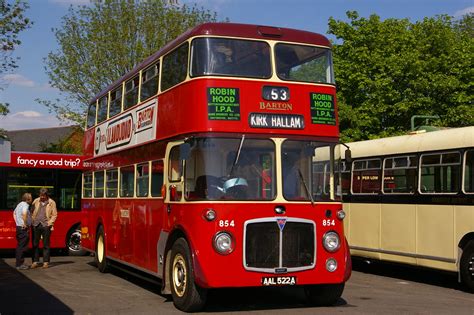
x=422, y=275
x=231, y=299
x=262, y=298
x=20, y=295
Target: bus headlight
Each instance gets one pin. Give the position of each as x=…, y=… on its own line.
x=331, y=241
x=223, y=243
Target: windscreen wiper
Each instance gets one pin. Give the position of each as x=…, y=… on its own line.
x=236, y=160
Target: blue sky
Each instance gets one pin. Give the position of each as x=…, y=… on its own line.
x=29, y=80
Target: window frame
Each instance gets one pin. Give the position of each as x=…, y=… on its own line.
x=120, y=181
x=148, y=193
x=366, y=169
x=440, y=164
x=175, y=50
x=463, y=170
x=407, y=156
x=83, y=190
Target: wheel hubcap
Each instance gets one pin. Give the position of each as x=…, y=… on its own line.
x=100, y=249
x=179, y=275
x=74, y=243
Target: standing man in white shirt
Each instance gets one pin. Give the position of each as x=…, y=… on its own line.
x=22, y=217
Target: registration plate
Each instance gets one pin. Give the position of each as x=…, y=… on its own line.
x=269, y=281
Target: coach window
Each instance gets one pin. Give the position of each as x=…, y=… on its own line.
x=115, y=101
x=440, y=173
x=111, y=183
x=87, y=190
x=142, y=179
x=400, y=175
x=469, y=172
x=127, y=181
x=102, y=110
x=69, y=186
x=366, y=176
x=149, y=82
x=131, y=92
x=99, y=184
x=20, y=181
x=91, y=115
x=156, y=178
x=175, y=67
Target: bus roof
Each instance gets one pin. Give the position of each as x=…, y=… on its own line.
x=420, y=142
x=225, y=29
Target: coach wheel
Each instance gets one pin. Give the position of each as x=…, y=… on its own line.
x=74, y=247
x=187, y=296
x=324, y=294
x=467, y=266
x=100, y=257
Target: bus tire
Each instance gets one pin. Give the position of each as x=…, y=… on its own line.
x=73, y=242
x=100, y=256
x=323, y=294
x=187, y=295
x=466, y=267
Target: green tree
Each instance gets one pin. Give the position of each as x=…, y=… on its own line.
x=387, y=71
x=101, y=42
x=12, y=22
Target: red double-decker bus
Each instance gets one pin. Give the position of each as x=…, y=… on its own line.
x=201, y=166
x=29, y=172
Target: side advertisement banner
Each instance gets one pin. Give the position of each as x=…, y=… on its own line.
x=129, y=129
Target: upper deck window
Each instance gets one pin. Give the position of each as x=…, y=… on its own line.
x=175, y=67
x=115, y=102
x=131, y=93
x=91, y=115
x=102, y=110
x=230, y=57
x=150, y=82
x=304, y=63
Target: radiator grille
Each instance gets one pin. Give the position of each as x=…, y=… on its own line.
x=268, y=246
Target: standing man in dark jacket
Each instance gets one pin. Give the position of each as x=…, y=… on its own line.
x=44, y=216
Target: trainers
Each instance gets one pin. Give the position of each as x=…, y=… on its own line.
x=22, y=267
x=45, y=265
x=34, y=265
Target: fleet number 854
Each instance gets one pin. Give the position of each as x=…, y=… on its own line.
x=226, y=223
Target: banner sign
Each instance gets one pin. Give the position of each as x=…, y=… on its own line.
x=129, y=129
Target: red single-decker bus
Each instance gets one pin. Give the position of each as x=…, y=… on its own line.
x=31, y=171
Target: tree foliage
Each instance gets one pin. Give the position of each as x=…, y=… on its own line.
x=387, y=71
x=12, y=22
x=101, y=42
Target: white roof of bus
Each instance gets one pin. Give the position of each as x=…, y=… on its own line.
x=420, y=142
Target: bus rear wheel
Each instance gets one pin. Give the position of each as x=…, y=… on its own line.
x=323, y=294
x=467, y=266
x=100, y=255
x=187, y=295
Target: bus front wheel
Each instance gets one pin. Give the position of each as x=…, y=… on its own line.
x=467, y=266
x=323, y=294
x=187, y=295
x=100, y=255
